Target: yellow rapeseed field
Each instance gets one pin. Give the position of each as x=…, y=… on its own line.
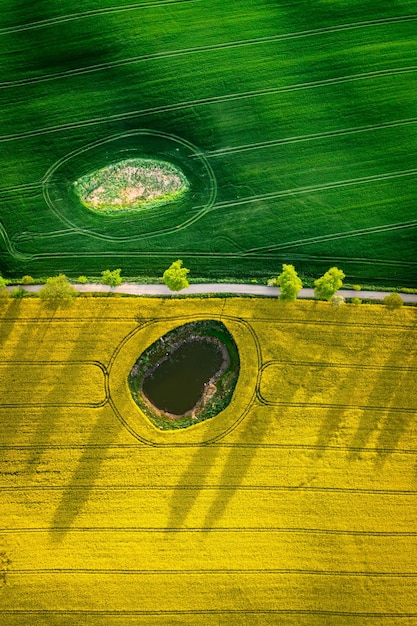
x=296, y=505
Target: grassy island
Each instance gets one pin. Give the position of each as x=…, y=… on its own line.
x=130, y=185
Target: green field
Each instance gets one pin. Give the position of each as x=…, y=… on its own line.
x=295, y=124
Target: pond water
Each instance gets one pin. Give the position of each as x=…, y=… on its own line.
x=177, y=384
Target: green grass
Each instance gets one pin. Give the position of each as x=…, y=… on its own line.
x=295, y=124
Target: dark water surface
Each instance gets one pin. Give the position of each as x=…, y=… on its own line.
x=177, y=384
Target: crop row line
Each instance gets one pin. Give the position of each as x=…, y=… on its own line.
x=54, y=405
x=5, y=362
x=312, y=137
x=331, y=185
x=23, y=187
x=322, y=364
x=237, y=446
x=359, y=325
x=241, y=43
x=204, y=487
x=190, y=104
x=328, y=405
x=183, y=612
x=91, y=13
x=69, y=320
x=218, y=529
x=211, y=571
x=362, y=261
x=340, y=235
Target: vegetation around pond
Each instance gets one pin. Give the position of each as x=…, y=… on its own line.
x=218, y=390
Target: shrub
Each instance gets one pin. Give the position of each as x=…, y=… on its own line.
x=337, y=300
x=111, y=278
x=393, y=301
x=357, y=287
x=356, y=301
x=82, y=280
x=18, y=293
x=408, y=290
x=27, y=280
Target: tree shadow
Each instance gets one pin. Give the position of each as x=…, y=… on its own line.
x=192, y=480
x=333, y=418
x=54, y=401
x=241, y=457
x=82, y=482
x=76, y=358
x=396, y=423
x=28, y=336
x=105, y=431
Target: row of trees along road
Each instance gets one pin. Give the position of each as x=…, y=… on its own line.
x=58, y=291
x=325, y=287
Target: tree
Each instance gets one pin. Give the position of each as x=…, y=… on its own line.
x=289, y=283
x=111, y=278
x=27, y=280
x=57, y=292
x=3, y=283
x=175, y=277
x=326, y=286
x=393, y=301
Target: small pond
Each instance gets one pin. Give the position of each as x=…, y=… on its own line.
x=177, y=383
x=187, y=376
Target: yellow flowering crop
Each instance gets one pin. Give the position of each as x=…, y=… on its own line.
x=296, y=505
